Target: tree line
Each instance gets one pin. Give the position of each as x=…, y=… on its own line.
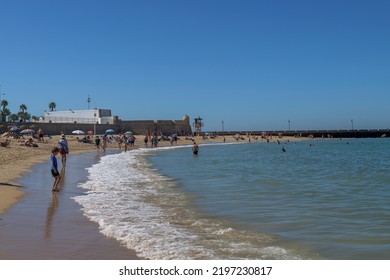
x=22, y=115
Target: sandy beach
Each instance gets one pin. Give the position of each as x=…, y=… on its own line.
x=29, y=209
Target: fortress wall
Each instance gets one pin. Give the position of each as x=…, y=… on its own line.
x=147, y=127
x=137, y=127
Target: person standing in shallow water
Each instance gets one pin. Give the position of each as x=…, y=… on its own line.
x=195, y=149
x=63, y=148
x=146, y=139
x=54, y=169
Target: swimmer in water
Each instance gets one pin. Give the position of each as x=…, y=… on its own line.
x=195, y=149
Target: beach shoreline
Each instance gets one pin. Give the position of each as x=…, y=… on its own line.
x=47, y=225
x=20, y=161
x=17, y=159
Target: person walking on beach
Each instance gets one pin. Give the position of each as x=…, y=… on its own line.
x=195, y=149
x=146, y=139
x=104, y=142
x=63, y=148
x=40, y=136
x=154, y=141
x=97, y=142
x=131, y=140
x=54, y=169
x=120, y=140
x=126, y=142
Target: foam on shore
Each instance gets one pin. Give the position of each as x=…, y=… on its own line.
x=149, y=213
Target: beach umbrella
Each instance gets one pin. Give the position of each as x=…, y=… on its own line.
x=5, y=134
x=27, y=131
x=14, y=128
x=110, y=131
x=129, y=133
x=78, y=132
x=90, y=132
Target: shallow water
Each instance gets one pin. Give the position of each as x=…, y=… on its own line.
x=319, y=199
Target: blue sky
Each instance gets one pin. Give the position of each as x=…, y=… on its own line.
x=252, y=64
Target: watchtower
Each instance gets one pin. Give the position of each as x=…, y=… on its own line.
x=198, y=124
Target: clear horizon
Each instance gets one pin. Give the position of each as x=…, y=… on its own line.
x=253, y=65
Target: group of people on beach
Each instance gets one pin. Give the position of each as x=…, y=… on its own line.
x=121, y=139
x=62, y=148
x=101, y=143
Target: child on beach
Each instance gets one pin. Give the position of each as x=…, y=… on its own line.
x=54, y=169
x=97, y=142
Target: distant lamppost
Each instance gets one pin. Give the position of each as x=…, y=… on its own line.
x=223, y=127
x=89, y=101
x=352, y=124
x=289, y=125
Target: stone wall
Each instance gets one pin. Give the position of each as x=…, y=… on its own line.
x=137, y=127
x=147, y=127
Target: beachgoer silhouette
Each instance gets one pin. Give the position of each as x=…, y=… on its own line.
x=63, y=148
x=195, y=149
x=54, y=169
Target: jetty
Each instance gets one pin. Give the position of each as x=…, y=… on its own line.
x=357, y=133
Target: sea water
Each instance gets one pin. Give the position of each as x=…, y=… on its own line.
x=323, y=199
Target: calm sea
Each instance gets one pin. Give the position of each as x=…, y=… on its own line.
x=317, y=200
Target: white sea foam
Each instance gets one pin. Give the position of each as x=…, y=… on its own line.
x=149, y=213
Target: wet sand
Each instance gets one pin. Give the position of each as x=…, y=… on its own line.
x=48, y=225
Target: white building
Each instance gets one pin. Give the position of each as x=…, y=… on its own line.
x=99, y=116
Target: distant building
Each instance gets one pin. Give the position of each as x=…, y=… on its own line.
x=98, y=116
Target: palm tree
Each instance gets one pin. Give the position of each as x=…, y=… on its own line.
x=24, y=116
x=4, y=113
x=4, y=110
x=4, y=103
x=13, y=118
x=52, y=106
x=22, y=108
